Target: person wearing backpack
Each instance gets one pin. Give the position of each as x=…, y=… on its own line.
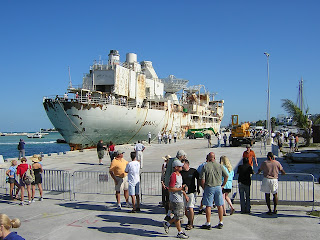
x=24, y=180
x=37, y=169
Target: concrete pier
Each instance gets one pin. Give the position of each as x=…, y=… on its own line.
x=95, y=217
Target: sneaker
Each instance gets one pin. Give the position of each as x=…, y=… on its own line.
x=119, y=207
x=33, y=200
x=29, y=202
x=167, y=218
x=182, y=235
x=21, y=204
x=138, y=209
x=220, y=226
x=128, y=205
x=132, y=211
x=201, y=211
x=205, y=226
x=41, y=199
x=166, y=226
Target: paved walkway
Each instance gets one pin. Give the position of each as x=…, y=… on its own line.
x=98, y=219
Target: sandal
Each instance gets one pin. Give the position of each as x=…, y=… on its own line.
x=189, y=227
x=232, y=211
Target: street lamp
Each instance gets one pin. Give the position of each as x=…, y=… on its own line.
x=268, y=105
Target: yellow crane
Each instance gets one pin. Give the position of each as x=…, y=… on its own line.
x=240, y=134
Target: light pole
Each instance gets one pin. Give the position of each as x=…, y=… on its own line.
x=268, y=105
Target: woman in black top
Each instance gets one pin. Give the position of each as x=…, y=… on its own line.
x=244, y=180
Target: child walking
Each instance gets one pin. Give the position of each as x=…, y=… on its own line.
x=177, y=191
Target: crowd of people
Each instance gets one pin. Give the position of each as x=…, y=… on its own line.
x=181, y=183
x=166, y=137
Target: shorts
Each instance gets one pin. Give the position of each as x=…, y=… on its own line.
x=100, y=154
x=178, y=210
x=122, y=183
x=38, y=179
x=269, y=185
x=134, y=189
x=22, y=183
x=191, y=202
x=226, y=190
x=12, y=180
x=212, y=194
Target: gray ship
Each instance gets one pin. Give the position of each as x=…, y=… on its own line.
x=123, y=102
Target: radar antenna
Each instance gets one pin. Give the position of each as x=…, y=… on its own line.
x=70, y=82
x=173, y=84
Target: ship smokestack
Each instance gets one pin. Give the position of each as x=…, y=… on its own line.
x=131, y=58
x=114, y=57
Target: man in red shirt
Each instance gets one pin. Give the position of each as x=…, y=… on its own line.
x=250, y=155
x=21, y=169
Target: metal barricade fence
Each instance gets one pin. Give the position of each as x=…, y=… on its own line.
x=89, y=182
x=57, y=181
x=292, y=187
x=150, y=184
x=3, y=184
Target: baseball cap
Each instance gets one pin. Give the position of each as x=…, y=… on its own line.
x=177, y=163
x=181, y=153
x=118, y=152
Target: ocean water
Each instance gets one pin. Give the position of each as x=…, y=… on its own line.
x=46, y=144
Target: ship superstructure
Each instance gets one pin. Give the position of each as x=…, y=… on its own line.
x=123, y=102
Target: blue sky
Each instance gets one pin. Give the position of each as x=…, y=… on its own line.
x=216, y=43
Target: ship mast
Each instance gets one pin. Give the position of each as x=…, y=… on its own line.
x=300, y=96
x=70, y=82
x=301, y=101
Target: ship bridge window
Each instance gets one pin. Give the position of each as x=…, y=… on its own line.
x=195, y=118
x=104, y=88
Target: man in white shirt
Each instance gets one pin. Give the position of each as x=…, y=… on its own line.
x=149, y=137
x=175, y=137
x=139, y=148
x=133, y=169
x=159, y=137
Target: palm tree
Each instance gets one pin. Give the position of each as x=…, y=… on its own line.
x=273, y=123
x=300, y=118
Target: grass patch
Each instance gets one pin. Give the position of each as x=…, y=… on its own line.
x=314, y=213
x=317, y=145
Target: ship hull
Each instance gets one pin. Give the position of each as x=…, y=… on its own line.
x=83, y=124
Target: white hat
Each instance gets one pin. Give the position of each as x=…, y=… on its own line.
x=177, y=163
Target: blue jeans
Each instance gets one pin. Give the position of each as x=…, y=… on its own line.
x=244, y=191
x=22, y=153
